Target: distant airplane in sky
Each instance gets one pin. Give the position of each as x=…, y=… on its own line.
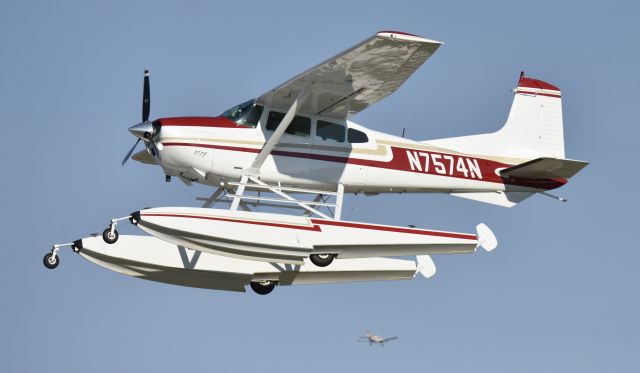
x=372, y=338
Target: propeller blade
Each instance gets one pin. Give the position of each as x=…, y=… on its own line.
x=154, y=149
x=126, y=158
x=146, y=98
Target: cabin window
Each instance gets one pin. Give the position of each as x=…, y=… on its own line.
x=246, y=114
x=299, y=126
x=356, y=137
x=330, y=131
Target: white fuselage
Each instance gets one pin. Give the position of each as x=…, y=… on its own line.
x=213, y=152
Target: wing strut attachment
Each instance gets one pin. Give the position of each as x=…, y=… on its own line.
x=277, y=134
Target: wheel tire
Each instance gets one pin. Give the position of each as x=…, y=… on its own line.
x=322, y=260
x=263, y=287
x=108, y=237
x=50, y=261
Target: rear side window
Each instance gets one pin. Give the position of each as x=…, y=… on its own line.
x=355, y=137
x=330, y=131
x=299, y=126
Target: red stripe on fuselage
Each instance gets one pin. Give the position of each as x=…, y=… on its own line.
x=219, y=122
x=400, y=162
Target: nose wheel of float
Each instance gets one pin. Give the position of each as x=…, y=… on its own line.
x=51, y=259
x=110, y=235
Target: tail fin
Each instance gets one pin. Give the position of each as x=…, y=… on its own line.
x=533, y=129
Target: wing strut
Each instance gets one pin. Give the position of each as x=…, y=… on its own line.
x=277, y=134
x=214, y=198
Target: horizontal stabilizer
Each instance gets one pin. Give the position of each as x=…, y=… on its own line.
x=505, y=199
x=545, y=168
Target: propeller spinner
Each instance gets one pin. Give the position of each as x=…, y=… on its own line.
x=144, y=130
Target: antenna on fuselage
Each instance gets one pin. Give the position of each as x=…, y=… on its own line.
x=406, y=120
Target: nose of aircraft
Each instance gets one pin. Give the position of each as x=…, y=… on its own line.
x=143, y=130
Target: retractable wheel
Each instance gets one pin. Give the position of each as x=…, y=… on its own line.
x=263, y=287
x=50, y=261
x=322, y=260
x=110, y=237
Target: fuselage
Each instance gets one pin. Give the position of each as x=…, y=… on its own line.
x=319, y=152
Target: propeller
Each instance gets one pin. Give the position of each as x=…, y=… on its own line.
x=144, y=130
x=126, y=157
x=146, y=97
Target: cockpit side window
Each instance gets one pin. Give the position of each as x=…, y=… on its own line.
x=330, y=131
x=246, y=114
x=356, y=137
x=299, y=126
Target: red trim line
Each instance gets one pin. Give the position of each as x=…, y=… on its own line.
x=220, y=122
x=222, y=147
x=318, y=222
x=399, y=162
x=388, y=228
x=538, y=94
x=315, y=228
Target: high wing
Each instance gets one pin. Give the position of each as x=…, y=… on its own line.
x=356, y=78
x=347, y=83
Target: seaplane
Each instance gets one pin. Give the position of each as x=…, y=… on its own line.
x=295, y=147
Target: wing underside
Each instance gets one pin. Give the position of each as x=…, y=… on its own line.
x=356, y=78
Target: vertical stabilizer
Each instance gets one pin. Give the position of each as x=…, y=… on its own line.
x=535, y=119
x=533, y=129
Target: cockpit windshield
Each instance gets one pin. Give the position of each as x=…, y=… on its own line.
x=246, y=114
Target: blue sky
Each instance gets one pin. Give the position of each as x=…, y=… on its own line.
x=561, y=292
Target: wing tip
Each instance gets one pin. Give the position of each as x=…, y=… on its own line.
x=405, y=36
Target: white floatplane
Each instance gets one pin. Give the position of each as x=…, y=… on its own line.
x=300, y=134
x=295, y=147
